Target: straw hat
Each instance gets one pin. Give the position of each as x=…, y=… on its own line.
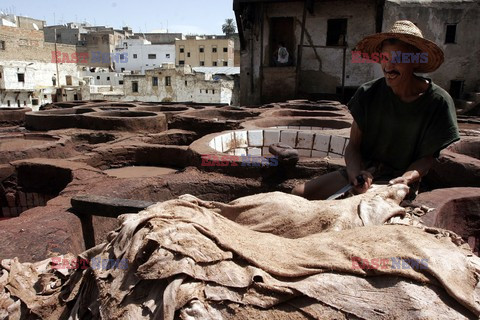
x=405, y=31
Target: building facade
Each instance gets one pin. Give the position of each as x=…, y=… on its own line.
x=28, y=74
x=320, y=37
x=179, y=84
x=140, y=55
x=208, y=51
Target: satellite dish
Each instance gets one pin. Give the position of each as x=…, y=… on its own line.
x=35, y=26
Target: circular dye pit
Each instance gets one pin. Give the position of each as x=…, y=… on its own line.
x=297, y=123
x=468, y=147
x=211, y=120
x=139, y=172
x=55, y=119
x=21, y=142
x=140, y=121
x=303, y=113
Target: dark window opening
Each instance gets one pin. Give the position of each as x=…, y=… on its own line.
x=281, y=34
x=225, y=63
x=8, y=103
x=181, y=62
x=186, y=83
x=122, y=69
x=451, y=33
x=44, y=96
x=167, y=55
x=155, y=81
x=336, y=32
x=202, y=63
x=134, y=86
x=0, y=75
x=2, y=45
x=201, y=49
x=108, y=78
x=152, y=56
x=168, y=81
x=456, y=88
x=182, y=49
x=188, y=54
x=206, y=91
x=34, y=102
x=21, y=77
x=225, y=49
x=214, y=49
x=134, y=56
x=98, y=77
x=214, y=63
x=120, y=81
x=213, y=91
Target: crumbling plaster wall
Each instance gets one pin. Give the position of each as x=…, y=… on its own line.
x=321, y=75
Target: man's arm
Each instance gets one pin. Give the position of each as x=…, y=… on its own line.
x=353, y=159
x=415, y=171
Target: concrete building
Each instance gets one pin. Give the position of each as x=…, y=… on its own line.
x=320, y=36
x=28, y=77
x=101, y=77
x=179, y=84
x=206, y=51
x=139, y=55
x=162, y=37
x=11, y=20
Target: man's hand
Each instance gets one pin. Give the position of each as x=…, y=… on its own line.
x=399, y=180
x=362, y=188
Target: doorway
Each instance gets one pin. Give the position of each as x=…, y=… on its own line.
x=281, y=31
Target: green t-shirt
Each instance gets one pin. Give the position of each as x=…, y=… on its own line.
x=397, y=133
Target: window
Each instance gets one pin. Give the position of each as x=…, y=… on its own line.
x=214, y=49
x=206, y=91
x=168, y=81
x=34, y=102
x=120, y=81
x=202, y=63
x=21, y=77
x=450, y=35
x=123, y=69
x=213, y=91
x=2, y=45
x=201, y=49
x=225, y=49
x=214, y=63
x=167, y=55
x=188, y=54
x=152, y=56
x=182, y=49
x=98, y=77
x=134, y=56
x=0, y=75
x=122, y=56
x=225, y=63
x=134, y=86
x=181, y=62
x=336, y=32
x=155, y=81
x=186, y=83
x=108, y=78
x=44, y=96
x=8, y=103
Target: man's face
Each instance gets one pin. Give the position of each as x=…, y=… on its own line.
x=396, y=73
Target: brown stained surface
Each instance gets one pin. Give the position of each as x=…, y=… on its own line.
x=138, y=172
x=19, y=143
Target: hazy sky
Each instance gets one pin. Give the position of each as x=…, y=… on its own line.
x=186, y=16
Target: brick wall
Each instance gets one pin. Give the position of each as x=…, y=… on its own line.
x=28, y=45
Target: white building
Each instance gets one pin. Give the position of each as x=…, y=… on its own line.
x=140, y=55
x=101, y=77
x=179, y=84
x=31, y=84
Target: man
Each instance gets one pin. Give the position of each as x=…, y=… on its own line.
x=281, y=55
x=401, y=121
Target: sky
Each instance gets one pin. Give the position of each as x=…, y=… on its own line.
x=185, y=16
